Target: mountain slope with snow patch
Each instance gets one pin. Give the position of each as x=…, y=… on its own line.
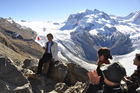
x=84, y=33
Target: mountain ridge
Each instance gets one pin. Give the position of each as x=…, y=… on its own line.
x=102, y=30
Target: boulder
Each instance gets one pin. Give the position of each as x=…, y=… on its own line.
x=41, y=84
x=59, y=71
x=76, y=73
x=18, y=63
x=30, y=64
x=69, y=73
x=61, y=87
x=77, y=88
x=11, y=79
x=64, y=78
x=27, y=72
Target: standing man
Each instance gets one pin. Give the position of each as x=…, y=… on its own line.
x=50, y=55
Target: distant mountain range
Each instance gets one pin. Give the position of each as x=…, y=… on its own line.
x=78, y=38
x=83, y=33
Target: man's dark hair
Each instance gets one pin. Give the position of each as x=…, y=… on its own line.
x=50, y=35
x=138, y=56
x=105, y=52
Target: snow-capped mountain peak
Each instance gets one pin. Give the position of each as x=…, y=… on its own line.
x=88, y=18
x=87, y=11
x=133, y=17
x=85, y=32
x=10, y=20
x=136, y=18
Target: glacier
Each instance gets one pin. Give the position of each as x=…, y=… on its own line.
x=83, y=33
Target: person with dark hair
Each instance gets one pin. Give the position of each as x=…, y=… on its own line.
x=50, y=55
x=133, y=82
x=103, y=58
x=113, y=74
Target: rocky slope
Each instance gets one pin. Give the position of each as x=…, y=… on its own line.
x=12, y=79
x=64, y=78
x=18, y=65
x=10, y=26
x=23, y=43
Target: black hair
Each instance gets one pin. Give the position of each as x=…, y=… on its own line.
x=138, y=56
x=50, y=35
x=105, y=52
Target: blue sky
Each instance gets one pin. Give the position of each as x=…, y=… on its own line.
x=47, y=10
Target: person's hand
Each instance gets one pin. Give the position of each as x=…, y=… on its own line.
x=126, y=78
x=93, y=77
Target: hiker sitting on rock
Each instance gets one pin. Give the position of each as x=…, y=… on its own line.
x=133, y=82
x=103, y=58
x=50, y=55
x=113, y=74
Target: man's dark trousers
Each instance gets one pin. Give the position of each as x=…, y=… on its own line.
x=46, y=58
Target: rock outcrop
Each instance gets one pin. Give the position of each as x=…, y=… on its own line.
x=69, y=73
x=30, y=64
x=63, y=88
x=63, y=77
x=12, y=79
x=9, y=26
x=19, y=39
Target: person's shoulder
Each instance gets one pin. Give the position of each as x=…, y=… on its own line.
x=54, y=42
x=135, y=73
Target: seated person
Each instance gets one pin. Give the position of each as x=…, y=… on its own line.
x=133, y=82
x=104, y=56
x=113, y=74
x=50, y=56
